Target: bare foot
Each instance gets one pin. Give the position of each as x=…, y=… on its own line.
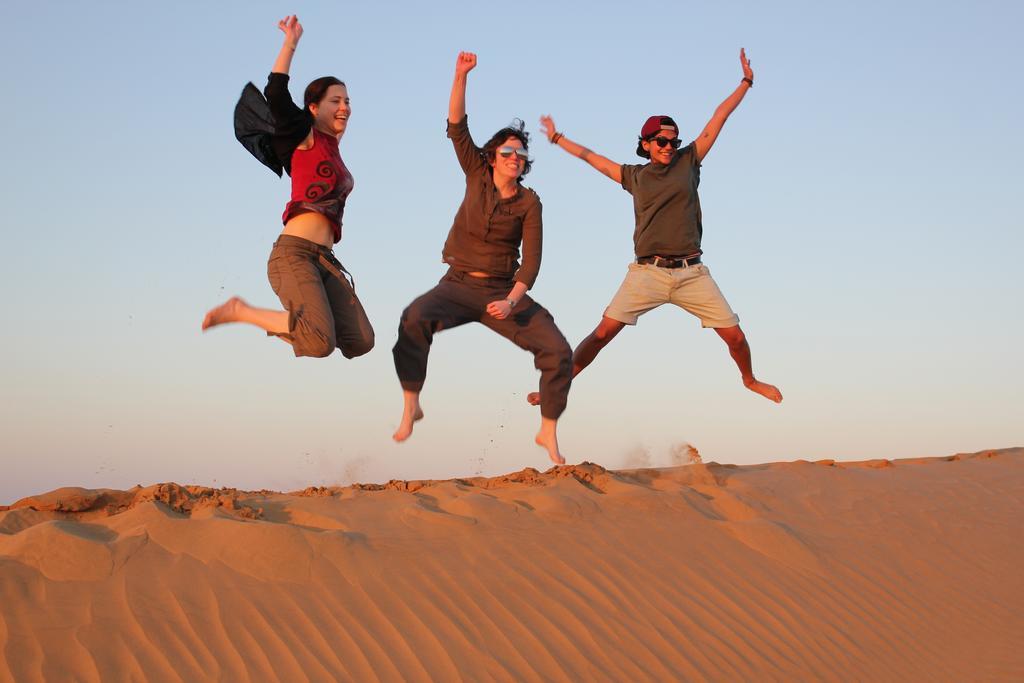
x=227, y=312
x=411, y=414
x=769, y=391
x=533, y=398
x=548, y=439
x=404, y=430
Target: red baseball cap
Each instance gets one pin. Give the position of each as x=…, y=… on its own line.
x=652, y=127
x=656, y=124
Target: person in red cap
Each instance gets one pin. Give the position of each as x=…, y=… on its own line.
x=485, y=282
x=668, y=267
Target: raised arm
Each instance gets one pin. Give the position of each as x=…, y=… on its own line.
x=292, y=32
x=464, y=63
x=466, y=150
x=602, y=164
x=710, y=133
x=293, y=125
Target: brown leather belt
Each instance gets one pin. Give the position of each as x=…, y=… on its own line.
x=670, y=261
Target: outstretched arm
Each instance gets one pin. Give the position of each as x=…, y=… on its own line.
x=602, y=164
x=710, y=133
x=464, y=63
x=292, y=32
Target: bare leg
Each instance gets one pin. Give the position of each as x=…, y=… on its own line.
x=411, y=413
x=236, y=310
x=739, y=349
x=547, y=438
x=588, y=349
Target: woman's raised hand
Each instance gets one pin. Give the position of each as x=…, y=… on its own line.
x=292, y=29
x=745, y=63
x=464, y=63
x=547, y=125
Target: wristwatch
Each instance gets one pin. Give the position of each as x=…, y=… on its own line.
x=511, y=302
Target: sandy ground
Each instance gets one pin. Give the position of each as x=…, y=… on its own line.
x=905, y=570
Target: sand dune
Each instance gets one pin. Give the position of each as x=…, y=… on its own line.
x=906, y=570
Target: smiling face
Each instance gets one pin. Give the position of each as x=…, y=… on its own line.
x=332, y=112
x=513, y=165
x=660, y=154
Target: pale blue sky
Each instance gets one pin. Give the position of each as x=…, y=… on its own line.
x=860, y=214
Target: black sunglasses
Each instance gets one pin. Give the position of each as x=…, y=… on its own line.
x=665, y=142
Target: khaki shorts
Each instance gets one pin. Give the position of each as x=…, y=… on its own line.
x=647, y=286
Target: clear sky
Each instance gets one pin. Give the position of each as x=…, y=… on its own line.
x=861, y=214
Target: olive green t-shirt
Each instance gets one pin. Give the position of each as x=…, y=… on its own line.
x=666, y=205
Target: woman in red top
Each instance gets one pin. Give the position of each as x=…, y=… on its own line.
x=322, y=311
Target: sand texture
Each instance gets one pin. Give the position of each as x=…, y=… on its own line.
x=903, y=570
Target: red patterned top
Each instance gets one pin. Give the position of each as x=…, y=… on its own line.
x=320, y=181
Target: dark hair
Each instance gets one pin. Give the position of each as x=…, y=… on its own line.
x=517, y=130
x=317, y=90
x=640, y=148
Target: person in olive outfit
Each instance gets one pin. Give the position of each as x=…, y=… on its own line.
x=668, y=266
x=485, y=281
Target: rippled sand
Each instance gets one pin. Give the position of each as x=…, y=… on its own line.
x=904, y=570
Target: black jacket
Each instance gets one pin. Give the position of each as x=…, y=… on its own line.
x=269, y=124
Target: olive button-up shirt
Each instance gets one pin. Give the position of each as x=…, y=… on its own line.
x=488, y=230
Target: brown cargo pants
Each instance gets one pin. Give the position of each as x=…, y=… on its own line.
x=323, y=310
x=459, y=299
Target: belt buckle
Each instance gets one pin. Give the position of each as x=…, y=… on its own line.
x=669, y=263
